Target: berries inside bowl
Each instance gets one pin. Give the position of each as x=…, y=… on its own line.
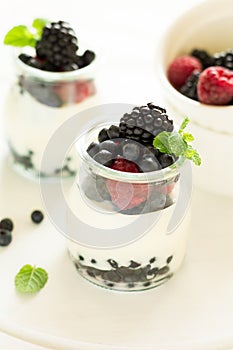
x=204, y=77
x=203, y=35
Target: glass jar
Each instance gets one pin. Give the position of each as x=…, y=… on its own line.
x=127, y=231
x=38, y=102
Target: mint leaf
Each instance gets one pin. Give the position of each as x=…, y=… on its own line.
x=177, y=143
x=30, y=279
x=161, y=142
x=193, y=155
x=183, y=125
x=39, y=24
x=20, y=36
x=188, y=137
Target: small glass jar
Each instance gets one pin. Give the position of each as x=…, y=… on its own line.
x=131, y=228
x=38, y=102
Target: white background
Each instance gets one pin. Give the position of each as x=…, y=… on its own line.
x=127, y=33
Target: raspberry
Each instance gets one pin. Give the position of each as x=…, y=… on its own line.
x=123, y=194
x=72, y=92
x=122, y=164
x=181, y=68
x=166, y=189
x=127, y=195
x=215, y=86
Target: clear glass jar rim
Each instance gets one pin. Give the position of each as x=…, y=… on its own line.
x=153, y=176
x=54, y=76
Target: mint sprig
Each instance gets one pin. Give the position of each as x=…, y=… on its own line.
x=177, y=143
x=21, y=36
x=30, y=279
x=39, y=24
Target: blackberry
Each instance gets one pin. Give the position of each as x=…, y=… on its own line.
x=144, y=123
x=204, y=57
x=88, y=57
x=58, y=46
x=224, y=59
x=189, y=89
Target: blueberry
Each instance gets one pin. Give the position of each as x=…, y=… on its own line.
x=108, y=145
x=93, y=148
x=43, y=94
x=169, y=201
x=151, y=151
x=149, y=163
x=157, y=201
x=89, y=188
x=5, y=237
x=113, y=132
x=166, y=160
x=7, y=224
x=103, y=157
x=131, y=150
x=103, y=135
x=101, y=188
x=37, y=216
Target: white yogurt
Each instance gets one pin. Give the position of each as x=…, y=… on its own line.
x=168, y=250
x=30, y=124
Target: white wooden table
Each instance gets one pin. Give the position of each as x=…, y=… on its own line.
x=194, y=310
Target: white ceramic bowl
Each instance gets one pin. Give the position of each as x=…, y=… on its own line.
x=208, y=25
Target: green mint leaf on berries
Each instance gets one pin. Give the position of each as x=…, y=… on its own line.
x=30, y=279
x=188, y=137
x=161, y=141
x=39, y=24
x=177, y=143
x=20, y=36
x=183, y=125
